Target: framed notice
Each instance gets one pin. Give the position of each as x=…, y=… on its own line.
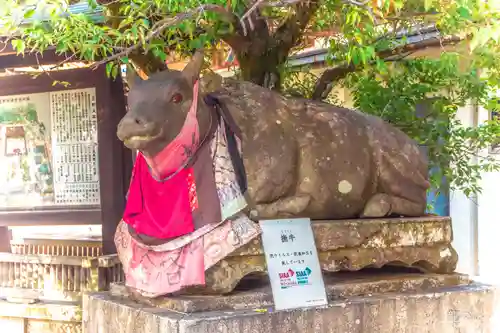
x=292, y=263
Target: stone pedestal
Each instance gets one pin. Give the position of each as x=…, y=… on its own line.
x=457, y=309
x=350, y=245
x=416, y=291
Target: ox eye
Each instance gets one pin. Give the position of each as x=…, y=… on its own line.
x=176, y=98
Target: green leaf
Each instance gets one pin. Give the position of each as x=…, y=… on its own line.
x=464, y=12
x=480, y=38
x=61, y=47
x=195, y=44
x=19, y=45
x=428, y=4
x=159, y=53
x=62, y=83
x=114, y=72
x=109, y=68
x=92, y=3
x=29, y=13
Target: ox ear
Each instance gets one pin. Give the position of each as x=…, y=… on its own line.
x=132, y=76
x=193, y=69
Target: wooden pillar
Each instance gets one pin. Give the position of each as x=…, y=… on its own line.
x=114, y=163
x=5, y=238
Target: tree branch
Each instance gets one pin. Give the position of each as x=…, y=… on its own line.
x=257, y=5
x=326, y=81
x=147, y=62
x=162, y=25
x=235, y=40
x=253, y=28
x=365, y=5
x=289, y=33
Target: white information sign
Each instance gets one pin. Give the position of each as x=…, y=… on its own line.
x=292, y=263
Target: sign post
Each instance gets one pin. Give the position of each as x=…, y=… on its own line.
x=293, y=264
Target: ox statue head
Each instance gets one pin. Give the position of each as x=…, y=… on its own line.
x=158, y=108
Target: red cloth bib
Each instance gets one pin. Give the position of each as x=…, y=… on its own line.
x=160, y=209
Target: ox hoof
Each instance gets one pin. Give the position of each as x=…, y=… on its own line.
x=378, y=206
x=284, y=208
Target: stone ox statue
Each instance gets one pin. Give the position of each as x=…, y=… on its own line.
x=209, y=162
x=302, y=157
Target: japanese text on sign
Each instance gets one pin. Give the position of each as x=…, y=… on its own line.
x=293, y=264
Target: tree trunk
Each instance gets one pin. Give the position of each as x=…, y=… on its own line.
x=148, y=63
x=262, y=70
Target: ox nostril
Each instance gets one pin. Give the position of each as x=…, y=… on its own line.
x=138, y=121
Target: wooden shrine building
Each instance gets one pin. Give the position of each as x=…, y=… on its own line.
x=62, y=161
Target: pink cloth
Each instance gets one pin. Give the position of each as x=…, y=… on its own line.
x=159, y=273
x=165, y=269
x=160, y=209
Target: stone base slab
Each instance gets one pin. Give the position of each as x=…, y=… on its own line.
x=257, y=292
x=460, y=309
